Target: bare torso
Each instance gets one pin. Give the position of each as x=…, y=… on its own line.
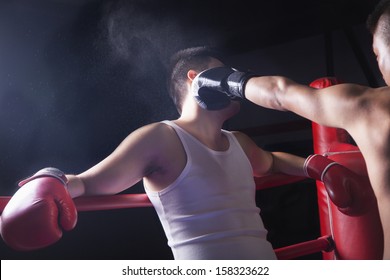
x=371, y=132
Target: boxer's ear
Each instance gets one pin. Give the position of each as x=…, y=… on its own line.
x=191, y=74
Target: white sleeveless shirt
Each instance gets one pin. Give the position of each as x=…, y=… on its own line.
x=209, y=211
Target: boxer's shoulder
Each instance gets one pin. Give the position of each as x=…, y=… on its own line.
x=160, y=137
x=153, y=132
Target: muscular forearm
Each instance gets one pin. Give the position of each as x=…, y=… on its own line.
x=273, y=92
x=85, y=184
x=266, y=91
x=79, y=186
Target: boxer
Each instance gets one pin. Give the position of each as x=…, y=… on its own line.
x=199, y=178
x=362, y=111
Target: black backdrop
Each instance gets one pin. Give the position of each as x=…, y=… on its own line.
x=76, y=77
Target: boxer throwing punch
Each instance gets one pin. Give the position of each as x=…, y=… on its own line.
x=198, y=177
x=362, y=111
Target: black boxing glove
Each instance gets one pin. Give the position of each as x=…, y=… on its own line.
x=214, y=88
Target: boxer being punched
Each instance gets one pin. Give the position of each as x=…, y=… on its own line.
x=362, y=111
x=198, y=177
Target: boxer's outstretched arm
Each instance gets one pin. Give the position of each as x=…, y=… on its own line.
x=343, y=186
x=42, y=208
x=132, y=160
x=335, y=106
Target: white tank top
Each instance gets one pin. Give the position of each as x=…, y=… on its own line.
x=209, y=211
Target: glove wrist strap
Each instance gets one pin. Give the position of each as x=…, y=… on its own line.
x=47, y=172
x=319, y=172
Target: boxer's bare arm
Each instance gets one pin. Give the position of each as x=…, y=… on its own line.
x=260, y=160
x=264, y=162
x=336, y=106
x=140, y=155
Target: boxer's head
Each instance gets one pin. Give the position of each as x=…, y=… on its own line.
x=378, y=24
x=197, y=59
x=378, y=20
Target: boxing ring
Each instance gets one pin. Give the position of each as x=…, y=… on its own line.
x=343, y=237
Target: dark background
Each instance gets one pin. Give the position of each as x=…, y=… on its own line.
x=76, y=77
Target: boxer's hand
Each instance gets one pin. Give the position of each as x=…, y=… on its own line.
x=214, y=88
x=38, y=212
x=347, y=190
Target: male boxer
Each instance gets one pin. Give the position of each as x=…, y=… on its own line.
x=362, y=111
x=198, y=177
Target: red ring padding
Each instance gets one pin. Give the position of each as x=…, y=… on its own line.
x=324, y=244
x=357, y=237
x=106, y=202
x=122, y=201
x=276, y=180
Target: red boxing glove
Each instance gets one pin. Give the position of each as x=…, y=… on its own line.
x=344, y=187
x=38, y=212
x=325, y=82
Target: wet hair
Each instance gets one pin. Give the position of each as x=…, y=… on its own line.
x=381, y=9
x=196, y=58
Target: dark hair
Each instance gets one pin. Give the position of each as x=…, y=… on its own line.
x=382, y=8
x=196, y=58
